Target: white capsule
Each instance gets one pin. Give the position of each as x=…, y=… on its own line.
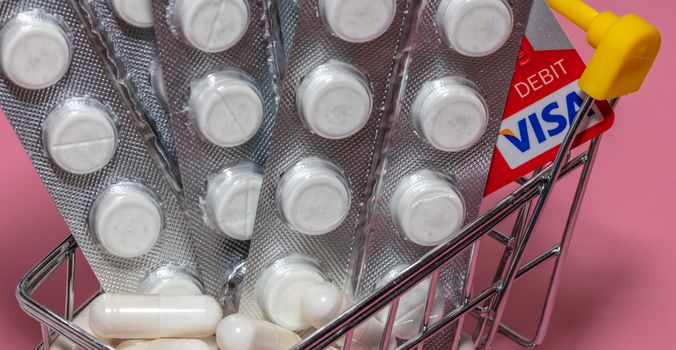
x=313, y=197
x=138, y=13
x=82, y=321
x=475, y=27
x=227, y=108
x=232, y=200
x=171, y=280
x=35, y=51
x=281, y=287
x=241, y=332
x=358, y=21
x=127, y=316
x=212, y=25
x=411, y=309
x=80, y=136
x=427, y=208
x=334, y=100
x=450, y=114
x=163, y=344
x=126, y=220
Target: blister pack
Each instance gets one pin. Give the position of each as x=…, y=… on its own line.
x=82, y=139
x=440, y=144
x=320, y=169
x=124, y=29
x=220, y=75
x=287, y=11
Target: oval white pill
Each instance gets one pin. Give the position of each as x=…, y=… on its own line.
x=241, y=332
x=212, y=25
x=227, y=109
x=411, y=309
x=358, y=21
x=475, y=27
x=232, y=200
x=80, y=136
x=163, y=344
x=427, y=208
x=130, y=316
x=138, y=13
x=280, y=289
x=335, y=101
x=126, y=220
x=171, y=280
x=35, y=52
x=450, y=115
x=314, y=197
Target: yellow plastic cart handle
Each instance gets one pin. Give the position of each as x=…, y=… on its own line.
x=626, y=48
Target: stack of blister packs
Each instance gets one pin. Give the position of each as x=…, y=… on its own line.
x=270, y=162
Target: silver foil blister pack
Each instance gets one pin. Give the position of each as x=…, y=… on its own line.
x=439, y=146
x=326, y=140
x=83, y=140
x=125, y=32
x=221, y=80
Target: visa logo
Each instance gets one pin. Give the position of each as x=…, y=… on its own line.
x=543, y=125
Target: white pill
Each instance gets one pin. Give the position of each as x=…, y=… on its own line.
x=138, y=13
x=82, y=321
x=232, y=200
x=227, y=108
x=321, y=303
x=80, y=136
x=35, y=52
x=411, y=309
x=313, y=197
x=427, y=208
x=171, y=280
x=475, y=27
x=128, y=316
x=126, y=220
x=358, y=21
x=163, y=344
x=451, y=115
x=241, y=332
x=280, y=289
x=212, y=25
x=335, y=101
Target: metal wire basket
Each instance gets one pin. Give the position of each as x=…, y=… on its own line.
x=526, y=203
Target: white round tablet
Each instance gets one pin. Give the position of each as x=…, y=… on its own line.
x=232, y=199
x=227, y=108
x=280, y=289
x=212, y=25
x=427, y=208
x=171, y=280
x=314, y=197
x=358, y=21
x=35, y=51
x=126, y=220
x=334, y=101
x=138, y=13
x=450, y=114
x=80, y=136
x=411, y=309
x=475, y=27
x=321, y=303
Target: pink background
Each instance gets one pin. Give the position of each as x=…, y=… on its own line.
x=618, y=284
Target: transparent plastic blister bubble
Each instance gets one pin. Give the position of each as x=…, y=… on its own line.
x=326, y=141
x=441, y=138
x=222, y=94
x=85, y=146
x=124, y=29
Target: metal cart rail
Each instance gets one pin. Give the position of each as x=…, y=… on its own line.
x=526, y=203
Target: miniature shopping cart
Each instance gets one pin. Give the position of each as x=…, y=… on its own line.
x=625, y=49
